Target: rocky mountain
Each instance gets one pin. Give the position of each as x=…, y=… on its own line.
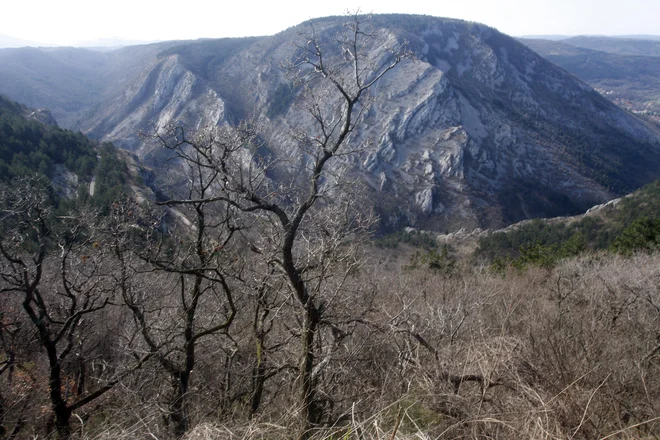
x=475, y=130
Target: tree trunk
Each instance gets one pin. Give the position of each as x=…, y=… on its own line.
x=259, y=369
x=82, y=376
x=178, y=409
x=258, y=380
x=60, y=409
x=63, y=422
x=310, y=414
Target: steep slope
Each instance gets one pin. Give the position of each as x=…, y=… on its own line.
x=178, y=82
x=30, y=143
x=476, y=130
x=624, y=225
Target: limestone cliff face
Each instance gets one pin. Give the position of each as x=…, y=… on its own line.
x=474, y=130
x=165, y=93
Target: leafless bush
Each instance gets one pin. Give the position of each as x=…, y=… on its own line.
x=571, y=352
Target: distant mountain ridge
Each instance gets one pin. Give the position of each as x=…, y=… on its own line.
x=7, y=41
x=475, y=130
x=618, y=45
x=577, y=38
x=631, y=81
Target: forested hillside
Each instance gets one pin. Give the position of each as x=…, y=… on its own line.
x=28, y=146
x=33, y=145
x=625, y=226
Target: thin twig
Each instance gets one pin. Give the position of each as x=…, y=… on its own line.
x=584, y=414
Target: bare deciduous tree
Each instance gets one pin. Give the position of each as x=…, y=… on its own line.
x=196, y=300
x=57, y=270
x=302, y=242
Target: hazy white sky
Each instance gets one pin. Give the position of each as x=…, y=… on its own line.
x=70, y=21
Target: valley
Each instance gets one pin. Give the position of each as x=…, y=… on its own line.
x=388, y=227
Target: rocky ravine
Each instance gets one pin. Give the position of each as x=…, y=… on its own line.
x=475, y=130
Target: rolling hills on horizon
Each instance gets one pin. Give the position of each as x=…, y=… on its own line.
x=627, y=72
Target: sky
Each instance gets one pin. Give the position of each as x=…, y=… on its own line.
x=69, y=22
